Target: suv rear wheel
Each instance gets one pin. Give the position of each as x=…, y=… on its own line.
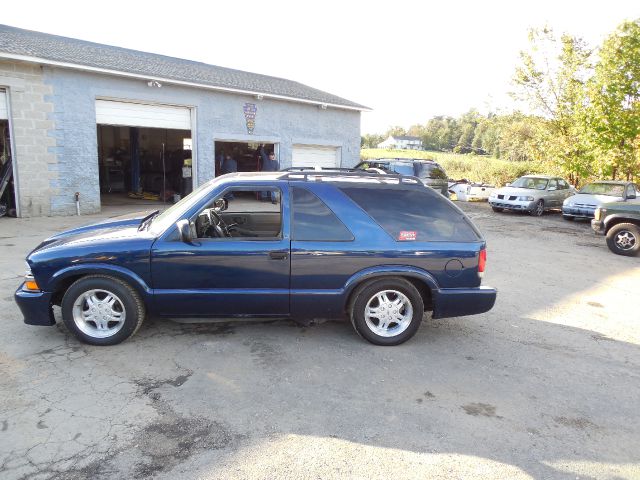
x=624, y=239
x=387, y=311
x=102, y=310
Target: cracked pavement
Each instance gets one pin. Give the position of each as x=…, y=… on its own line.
x=546, y=385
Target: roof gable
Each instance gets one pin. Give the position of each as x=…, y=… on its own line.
x=43, y=47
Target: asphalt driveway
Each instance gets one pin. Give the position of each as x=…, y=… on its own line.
x=546, y=385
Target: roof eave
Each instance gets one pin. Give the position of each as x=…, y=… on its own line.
x=87, y=68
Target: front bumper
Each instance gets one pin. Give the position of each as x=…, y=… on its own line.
x=519, y=205
x=578, y=212
x=35, y=307
x=597, y=226
x=458, y=302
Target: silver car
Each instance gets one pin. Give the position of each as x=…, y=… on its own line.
x=532, y=193
x=598, y=194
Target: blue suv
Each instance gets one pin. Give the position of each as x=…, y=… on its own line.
x=380, y=249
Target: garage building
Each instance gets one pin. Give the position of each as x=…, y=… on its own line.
x=107, y=125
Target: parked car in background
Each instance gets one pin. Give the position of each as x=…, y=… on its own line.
x=620, y=223
x=429, y=172
x=532, y=193
x=593, y=195
x=380, y=249
x=467, y=191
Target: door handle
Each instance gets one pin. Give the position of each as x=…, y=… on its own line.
x=278, y=255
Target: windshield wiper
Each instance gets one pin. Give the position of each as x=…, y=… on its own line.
x=146, y=221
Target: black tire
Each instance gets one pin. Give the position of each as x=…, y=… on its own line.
x=624, y=239
x=568, y=218
x=128, y=302
x=368, y=292
x=497, y=209
x=538, y=209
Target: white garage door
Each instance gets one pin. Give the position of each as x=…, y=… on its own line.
x=315, y=156
x=4, y=114
x=109, y=112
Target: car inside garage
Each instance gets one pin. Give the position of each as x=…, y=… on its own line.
x=144, y=152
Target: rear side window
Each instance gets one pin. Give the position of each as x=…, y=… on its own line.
x=430, y=170
x=413, y=214
x=313, y=220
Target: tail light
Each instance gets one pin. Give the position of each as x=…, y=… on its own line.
x=482, y=261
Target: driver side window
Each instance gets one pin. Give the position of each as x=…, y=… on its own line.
x=242, y=213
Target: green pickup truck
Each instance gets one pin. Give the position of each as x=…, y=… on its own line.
x=620, y=222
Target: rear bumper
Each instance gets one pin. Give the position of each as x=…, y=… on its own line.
x=35, y=307
x=458, y=302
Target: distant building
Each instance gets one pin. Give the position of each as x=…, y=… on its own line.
x=401, y=142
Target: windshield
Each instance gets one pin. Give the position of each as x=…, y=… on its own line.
x=603, y=189
x=531, y=182
x=172, y=214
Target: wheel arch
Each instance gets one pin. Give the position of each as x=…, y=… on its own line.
x=422, y=280
x=63, y=279
x=614, y=220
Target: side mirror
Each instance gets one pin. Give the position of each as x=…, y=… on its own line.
x=631, y=196
x=221, y=204
x=507, y=184
x=184, y=229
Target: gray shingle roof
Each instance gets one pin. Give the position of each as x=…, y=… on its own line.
x=405, y=137
x=16, y=41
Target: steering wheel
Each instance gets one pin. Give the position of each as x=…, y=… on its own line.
x=218, y=224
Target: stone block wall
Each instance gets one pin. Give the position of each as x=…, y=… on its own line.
x=30, y=118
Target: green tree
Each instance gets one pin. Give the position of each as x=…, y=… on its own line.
x=614, y=116
x=371, y=140
x=552, y=78
x=395, y=132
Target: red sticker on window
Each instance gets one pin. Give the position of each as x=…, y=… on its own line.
x=407, y=235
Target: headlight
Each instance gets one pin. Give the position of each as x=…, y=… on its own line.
x=30, y=282
x=525, y=199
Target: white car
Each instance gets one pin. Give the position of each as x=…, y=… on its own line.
x=597, y=194
x=467, y=191
x=532, y=193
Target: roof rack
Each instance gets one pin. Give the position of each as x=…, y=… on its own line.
x=326, y=169
x=347, y=174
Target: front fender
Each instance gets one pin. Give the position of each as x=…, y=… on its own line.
x=58, y=278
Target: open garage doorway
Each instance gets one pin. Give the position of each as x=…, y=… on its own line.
x=144, y=152
x=247, y=155
x=143, y=165
x=7, y=192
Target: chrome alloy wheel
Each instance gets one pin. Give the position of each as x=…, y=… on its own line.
x=539, y=208
x=625, y=240
x=99, y=313
x=388, y=313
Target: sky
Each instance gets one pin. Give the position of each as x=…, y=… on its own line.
x=406, y=60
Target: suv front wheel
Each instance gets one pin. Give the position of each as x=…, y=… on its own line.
x=624, y=239
x=102, y=310
x=387, y=311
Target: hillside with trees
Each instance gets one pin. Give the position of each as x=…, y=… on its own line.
x=583, y=107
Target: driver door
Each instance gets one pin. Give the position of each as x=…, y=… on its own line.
x=246, y=274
